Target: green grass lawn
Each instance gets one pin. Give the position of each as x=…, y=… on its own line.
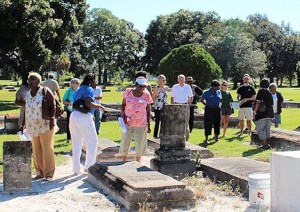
x=232, y=146
x=10, y=82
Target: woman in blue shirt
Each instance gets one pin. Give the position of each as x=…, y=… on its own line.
x=211, y=98
x=82, y=125
x=68, y=101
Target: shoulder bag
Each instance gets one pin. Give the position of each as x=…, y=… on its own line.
x=79, y=105
x=262, y=107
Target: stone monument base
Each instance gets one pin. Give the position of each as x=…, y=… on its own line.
x=176, y=169
x=135, y=185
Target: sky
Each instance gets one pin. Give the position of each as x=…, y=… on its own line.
x=142, y=12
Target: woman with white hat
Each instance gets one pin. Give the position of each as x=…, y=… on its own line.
x=136, y=114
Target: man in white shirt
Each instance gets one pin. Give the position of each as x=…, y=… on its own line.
x=97, y=112
x=182, y=94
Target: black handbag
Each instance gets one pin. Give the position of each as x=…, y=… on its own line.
x=262, y=107
x=79, y=105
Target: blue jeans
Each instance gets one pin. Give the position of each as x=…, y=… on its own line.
x=97, y=120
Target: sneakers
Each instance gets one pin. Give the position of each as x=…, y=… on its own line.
x=206, y=140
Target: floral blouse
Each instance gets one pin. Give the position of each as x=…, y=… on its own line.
x=35, y=124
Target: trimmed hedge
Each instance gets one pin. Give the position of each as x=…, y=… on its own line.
x=190, y=60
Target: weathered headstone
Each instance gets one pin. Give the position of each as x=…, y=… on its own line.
x=17, y=166
x=133, y=184
x=173, y=158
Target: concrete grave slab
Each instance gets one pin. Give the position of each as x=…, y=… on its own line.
x=109, y=151
x=132, y=183
x=281, y=139
x=17, y=166
x=234, y=169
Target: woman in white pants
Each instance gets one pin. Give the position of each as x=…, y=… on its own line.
x=82, y=125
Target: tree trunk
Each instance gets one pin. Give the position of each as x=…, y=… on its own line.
x=24, y=76
x=235, y=84
x=58, y=76
x=298, y=78
x=100, y=72
x=105, y=77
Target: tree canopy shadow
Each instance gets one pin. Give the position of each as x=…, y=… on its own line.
x=251, y=152
x=7, y=105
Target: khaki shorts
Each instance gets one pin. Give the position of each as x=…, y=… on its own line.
x=245, y=112
x=139, y=135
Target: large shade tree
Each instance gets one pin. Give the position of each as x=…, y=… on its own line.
x=272, y=42
x=31, y=32
x=235, y=49
x=190, y=60
x=113, y=43
x=171, y=31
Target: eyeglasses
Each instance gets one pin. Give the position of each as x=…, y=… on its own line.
x=224, y=85
x=75, y=82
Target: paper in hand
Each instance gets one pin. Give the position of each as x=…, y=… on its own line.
x=122, y=124
x=24, y=136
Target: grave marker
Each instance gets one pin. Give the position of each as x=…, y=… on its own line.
x=17, y=166
x=173, y=158
x=133, y=184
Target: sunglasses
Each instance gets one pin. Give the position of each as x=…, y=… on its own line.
x=224, y=85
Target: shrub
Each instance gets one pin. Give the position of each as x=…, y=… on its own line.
x=190, y=60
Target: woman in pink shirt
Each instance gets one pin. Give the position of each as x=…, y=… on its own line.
x=136, y=113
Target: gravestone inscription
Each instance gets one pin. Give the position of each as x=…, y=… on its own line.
x=17, y=166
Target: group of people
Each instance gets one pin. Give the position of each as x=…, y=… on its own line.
x=218, y=105
x=82, y=127
x=137, y=104
x=263, y=107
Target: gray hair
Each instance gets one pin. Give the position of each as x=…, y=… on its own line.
x=181, y=76
x=273, y=84
x=36, y=75
x=73, y=81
